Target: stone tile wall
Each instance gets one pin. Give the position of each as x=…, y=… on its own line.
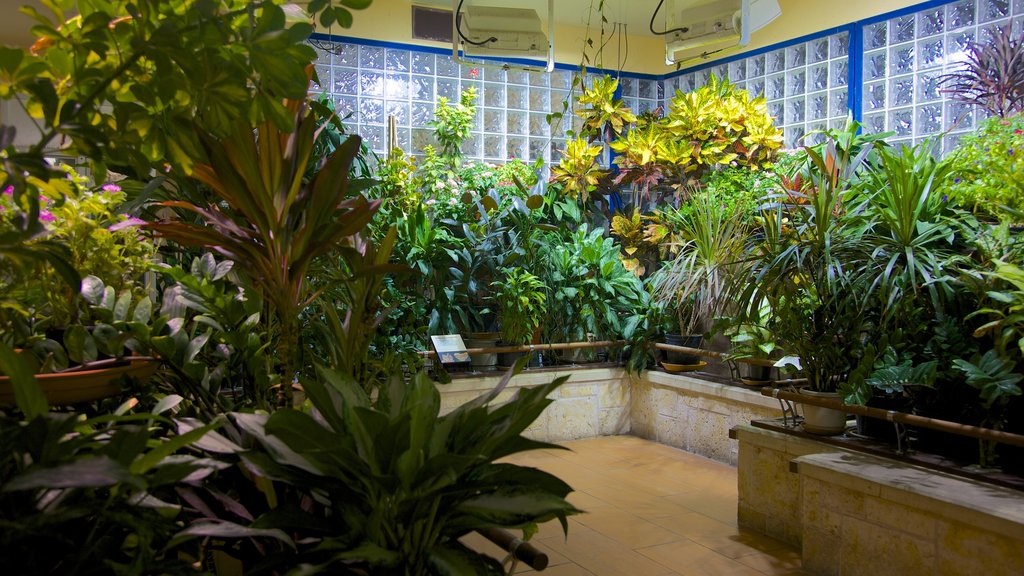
x=680, y=411
x=695, y=415
x=769, y=494
x=868, y=515
x=594, y=402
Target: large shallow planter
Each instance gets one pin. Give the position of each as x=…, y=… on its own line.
x=820, y=420
x=84, y=385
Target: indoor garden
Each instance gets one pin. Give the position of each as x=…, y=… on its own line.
x=229, y=239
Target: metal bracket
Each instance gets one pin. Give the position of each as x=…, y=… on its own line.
x=902, y=440
x=788, y=410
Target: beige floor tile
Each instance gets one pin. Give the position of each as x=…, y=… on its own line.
x=627, y=528
x=688, y=558
x=652, y=510
x=605, y=556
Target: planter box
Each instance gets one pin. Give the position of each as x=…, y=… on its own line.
x=863, y=514
x=854, y=513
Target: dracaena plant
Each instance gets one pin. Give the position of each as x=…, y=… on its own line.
x=693, y=283
x=267, y=219
x=992, y=74
x=384, y=484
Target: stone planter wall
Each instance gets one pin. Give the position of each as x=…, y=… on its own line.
x=694, y=414
x=769, y=494
x=594, y=402
x=678, y=410
x=868, y=515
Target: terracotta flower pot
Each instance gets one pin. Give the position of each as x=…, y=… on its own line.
x=83, y=385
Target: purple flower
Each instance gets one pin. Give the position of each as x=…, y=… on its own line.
x=1010, y=151
x=126, y=223
x=9, y=190
x=956, y=180
x=46, y=216
x=945, y=197
x=110, y=188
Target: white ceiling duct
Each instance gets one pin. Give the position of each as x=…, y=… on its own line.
x=704, y=29
x=497, y=31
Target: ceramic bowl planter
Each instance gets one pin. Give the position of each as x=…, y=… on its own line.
x=83, y=385
x=820, y=420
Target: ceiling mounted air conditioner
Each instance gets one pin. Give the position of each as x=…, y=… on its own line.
x=498, y=31
x=705, y=29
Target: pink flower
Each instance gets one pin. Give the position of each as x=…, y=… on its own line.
x=110, y=188
x=46, y=216
x=9, y=190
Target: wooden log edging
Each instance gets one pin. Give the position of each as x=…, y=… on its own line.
x=536, y=347
x=900, y=417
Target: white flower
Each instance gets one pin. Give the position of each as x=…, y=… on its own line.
x=431, y=202
x=452, y=201
x=439, y=185
x=486, y=174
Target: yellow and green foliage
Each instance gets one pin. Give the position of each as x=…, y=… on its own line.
x=640, y=237
x=578, y=171
x=600, y=110
x=718, y=124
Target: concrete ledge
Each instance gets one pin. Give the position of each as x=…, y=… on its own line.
x=863, y=514
x=706, y=388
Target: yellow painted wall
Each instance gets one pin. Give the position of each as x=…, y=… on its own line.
x=391, y=20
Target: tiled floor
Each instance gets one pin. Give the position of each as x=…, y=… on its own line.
x=651, y=510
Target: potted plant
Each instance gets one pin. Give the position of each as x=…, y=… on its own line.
x=76, y=335
x=521, y=303
x=692, y=286
x=807, y=273
x=752, y=340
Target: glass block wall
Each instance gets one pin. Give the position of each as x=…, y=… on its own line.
x=371, y=83
x=898, y=61
x=805, y=84
x=905, y=56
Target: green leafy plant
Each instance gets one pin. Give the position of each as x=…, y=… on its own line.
x=93, y=495
x=989, y=170
x=911, y=236
x=275, y=224
x=806, y=271
x=521, y=301
x=452, y=124
x=386, y=484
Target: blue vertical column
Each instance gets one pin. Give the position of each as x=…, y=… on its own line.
x=856, y=70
